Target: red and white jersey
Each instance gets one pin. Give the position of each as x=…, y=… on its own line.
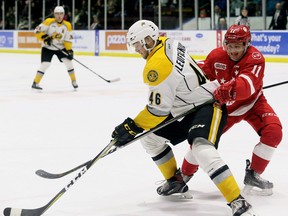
x=248, y=74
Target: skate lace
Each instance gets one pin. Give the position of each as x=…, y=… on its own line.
x=160, y=182
x=186, y=178
x=259, y=178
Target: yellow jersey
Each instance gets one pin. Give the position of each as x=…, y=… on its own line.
x=60, y=32
x=174, y=80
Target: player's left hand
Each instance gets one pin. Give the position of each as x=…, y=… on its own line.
x=70, y=55
x=47, y=39
x=225, y=93
x=125, y=132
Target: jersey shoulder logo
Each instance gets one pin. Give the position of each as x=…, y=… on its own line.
x=152, y=76
x=256, y=55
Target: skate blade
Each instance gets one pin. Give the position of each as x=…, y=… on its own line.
x=249, y=213
x=250, y=190
x=179, y=196
x=37, y=90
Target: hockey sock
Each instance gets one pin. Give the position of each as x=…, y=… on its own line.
x=211, y=162
x=189, y=165
x=166, y=163
x=38, y=76
x=72, y=75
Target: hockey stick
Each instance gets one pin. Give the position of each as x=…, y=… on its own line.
x=45, y=174
x=276, y=84
x=107, y=80
x=39, y=211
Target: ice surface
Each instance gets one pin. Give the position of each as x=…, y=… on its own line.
x=59, y=128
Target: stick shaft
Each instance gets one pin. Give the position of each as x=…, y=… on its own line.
x=276, y=84
x=39, y=211
x=45, y=174
x=107, y=80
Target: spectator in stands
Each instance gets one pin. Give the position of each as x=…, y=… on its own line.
x=23, y=24
x=243, y=18
x=217, y=15
x=279, y=19
x=222, y=24
x=80, y=20
x=235, y=7
x=96, y=23
x=112, y=8
x=203, y=13
x=220, y=20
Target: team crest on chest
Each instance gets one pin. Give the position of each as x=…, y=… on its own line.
x=152, y=76
x=220, y=66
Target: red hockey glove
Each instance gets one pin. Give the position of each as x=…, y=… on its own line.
x=125, y=132
x=225, y=93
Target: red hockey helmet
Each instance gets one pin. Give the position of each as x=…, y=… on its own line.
x=238, y=34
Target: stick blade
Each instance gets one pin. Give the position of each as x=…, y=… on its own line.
x=7, y=212
x=12, y=212
x=23, y=212
x=114, y=80
x=47, y=175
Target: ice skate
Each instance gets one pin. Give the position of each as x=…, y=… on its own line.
x=186, y=179
x=240, y=207
x=74, y=84
x=36, y=86
x=254, y=184
x=175, y=185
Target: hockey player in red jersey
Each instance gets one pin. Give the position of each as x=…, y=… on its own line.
x=239, y=68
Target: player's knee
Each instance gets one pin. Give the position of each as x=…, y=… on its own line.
x=153, y=144
x=44, y=66
x=68, y=64
x=271, y=135
x=206, y=155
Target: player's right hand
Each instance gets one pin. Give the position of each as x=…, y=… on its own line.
x=47, y=39
x=225, y=93
x=125, y=132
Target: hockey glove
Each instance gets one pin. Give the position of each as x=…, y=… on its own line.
x=70, y=55
x=225, y=93
x=47, y=39
x=125, y=132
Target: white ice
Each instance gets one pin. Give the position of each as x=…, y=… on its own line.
x=59, y=128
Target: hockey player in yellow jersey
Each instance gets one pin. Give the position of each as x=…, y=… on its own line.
x=176, y=84
x=56, y=35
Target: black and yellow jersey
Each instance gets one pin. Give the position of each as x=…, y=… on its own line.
x=61, y=33
x=173, y=78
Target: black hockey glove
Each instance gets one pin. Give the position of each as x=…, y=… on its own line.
x=47, y=39
x=70, y=55
x=125, y=132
